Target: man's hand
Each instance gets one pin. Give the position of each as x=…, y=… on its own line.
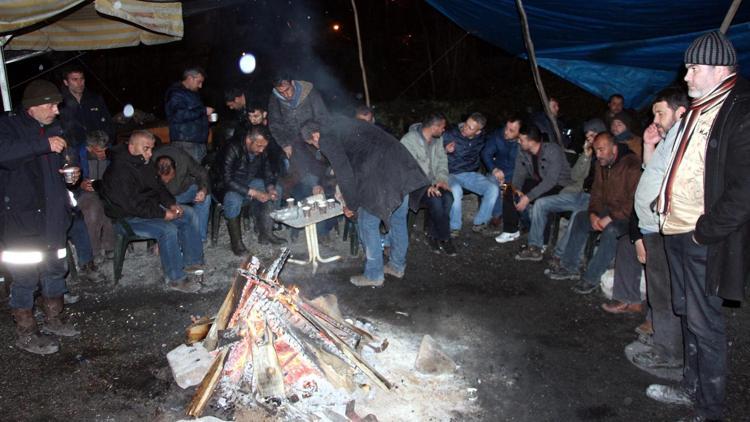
x=170, y=215
x=640, y=251
x=288, y=151
x=87, y=185
x=522, y=203
x=442, y=185
x=272, y=194
x=209, y=110
x=604, y=222
x=317, y=190
x=451, y=147
x=200, y=196
x=499, y=175
x=594, y=220
x=56, y=144
x=588, y=149
x=348, y=213
x=651, y=135
x=433, y=192
x=258, y=195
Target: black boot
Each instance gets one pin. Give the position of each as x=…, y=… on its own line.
x=235, y=236
x=264, y=223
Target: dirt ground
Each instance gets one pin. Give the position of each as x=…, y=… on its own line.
x=533, y=349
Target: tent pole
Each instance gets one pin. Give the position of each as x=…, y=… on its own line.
x=4, y=87
x=535, y=71
x=730, y=16
x=361, y=59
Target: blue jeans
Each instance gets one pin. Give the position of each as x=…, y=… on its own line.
x=194, y=149
x=233, y=201
x=484, y=186
x=368, y=227
x=202, y=209
x=179, y=241
x=605, y=252
x=49, y=273
x=79, y=235
x=543, y=206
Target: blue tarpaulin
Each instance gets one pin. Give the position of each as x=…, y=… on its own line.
x=604, y=46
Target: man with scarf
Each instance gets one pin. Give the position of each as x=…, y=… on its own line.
x=704, y=203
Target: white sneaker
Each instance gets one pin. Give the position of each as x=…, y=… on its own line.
x=505, y=237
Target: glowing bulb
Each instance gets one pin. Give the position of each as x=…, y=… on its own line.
x=247, y=63
x=128, y=111
x=336, y=27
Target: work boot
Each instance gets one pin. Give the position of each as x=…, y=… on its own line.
x=90, y=272
x=29, y=338
x=235, y=236
x=264, y=223
x=53, y=322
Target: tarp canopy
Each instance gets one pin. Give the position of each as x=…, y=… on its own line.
x=69, y=25
x=604, y=46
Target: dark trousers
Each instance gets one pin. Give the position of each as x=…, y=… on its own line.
x=704, y=331
x=511, y=216
x=667, y=326
x=49, y=275
x=438, y=214
x=627, y=283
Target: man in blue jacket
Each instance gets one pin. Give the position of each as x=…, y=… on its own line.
x=499, y=157
x=187, y=116
x=463, y=145
x=35, y=215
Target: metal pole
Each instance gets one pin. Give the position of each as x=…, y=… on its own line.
x=730, y=16
x=4, y=87
x=361, y=59
x=535, y=72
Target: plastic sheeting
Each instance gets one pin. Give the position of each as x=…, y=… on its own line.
x=604, y=46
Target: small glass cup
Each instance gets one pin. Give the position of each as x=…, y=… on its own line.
x=306, y=211
x=323, y=207
x=290, y=203
x=69, y=174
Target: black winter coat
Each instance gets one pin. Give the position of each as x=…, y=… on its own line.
x=235, y=170
x=131, y=187
x=186, y=115
x=36, y=212
x=372, y=168
x=78, y=119
x=725, y=225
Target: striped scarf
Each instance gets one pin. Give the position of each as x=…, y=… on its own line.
x=714, y=98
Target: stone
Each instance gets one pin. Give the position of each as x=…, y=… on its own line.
x=189, y=364
x=432, y=360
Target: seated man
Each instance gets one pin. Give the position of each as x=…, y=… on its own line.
x=132, y=191
x=187, y=181
x=246, y=179
x=611, y=203
x=541, y=169
x=93, y=162
x=375, y=174
x=499, y=157
x=464, y=145
x=542, y=121
x=425, y=143
x=573, y=198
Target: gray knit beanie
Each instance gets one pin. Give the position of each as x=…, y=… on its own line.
x=594, y=125
x=713, y=49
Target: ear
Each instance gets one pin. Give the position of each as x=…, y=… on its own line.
x=680, y=111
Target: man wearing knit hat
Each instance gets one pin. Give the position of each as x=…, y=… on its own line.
x=704, y=204
x=35, y=217
x=621, y=126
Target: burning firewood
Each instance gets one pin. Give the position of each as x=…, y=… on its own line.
x=272, y=344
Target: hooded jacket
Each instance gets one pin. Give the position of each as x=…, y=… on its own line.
x=36, y=212
x=554, y=169
x=188, y=172
x=372, y=168
x=131, y=187
x=613, y=191
x=431, y=156
x=186, y=115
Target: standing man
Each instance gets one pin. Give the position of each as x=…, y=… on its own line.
x=705, y=207
x=425, y=143
x=464, y=147
x=499, y=157
x=186, y=114
x=83, y=110
x=35, y=216
x=376, y=175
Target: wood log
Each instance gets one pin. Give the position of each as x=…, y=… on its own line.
x=266, y=369
x=207, y=386
x=225, y=311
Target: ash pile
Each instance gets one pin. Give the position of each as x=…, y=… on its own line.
x=271, y=353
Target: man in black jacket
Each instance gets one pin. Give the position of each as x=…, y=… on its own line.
x=246, y=179
x=83, y=110
x=376, y=175
x=187, y=116
x=35, y=216
x=704, y=203
x=133, y=192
